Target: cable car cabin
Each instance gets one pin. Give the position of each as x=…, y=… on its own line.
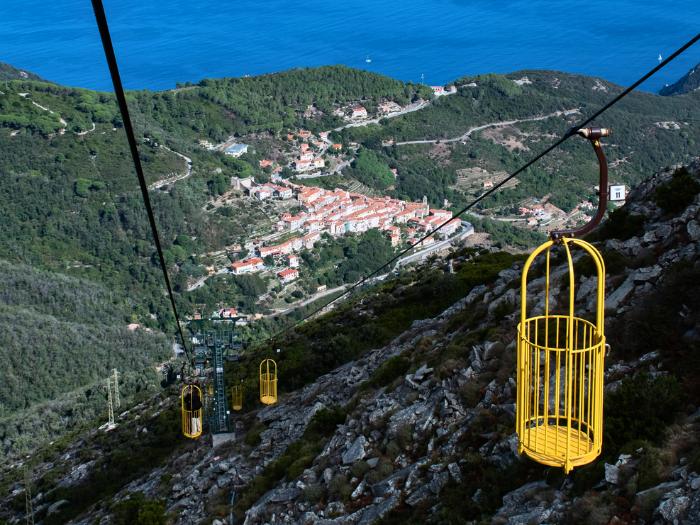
x=237, y=397
x=192, y=420
x=268, y=382
x=559, y=411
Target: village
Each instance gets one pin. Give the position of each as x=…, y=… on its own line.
x=333, y=213
x=336, y=213
x=302, y=215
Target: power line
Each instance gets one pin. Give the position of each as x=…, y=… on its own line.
x=101, y=19
x=496, y=187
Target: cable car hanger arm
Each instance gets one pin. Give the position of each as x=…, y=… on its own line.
x=593, y=135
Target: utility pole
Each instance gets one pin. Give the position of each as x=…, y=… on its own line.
x=115, y=377
x=110, y=405
x=28, y=508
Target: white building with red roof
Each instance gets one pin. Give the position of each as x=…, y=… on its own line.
x=228, y=313
x=252, y=265
x=288, y=275
x=358, y=112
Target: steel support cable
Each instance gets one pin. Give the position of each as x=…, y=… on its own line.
x=103, y=27
x=496, y=187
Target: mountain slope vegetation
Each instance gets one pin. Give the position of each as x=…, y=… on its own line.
x=686, y=84
x=72, y=207
x=416, y=425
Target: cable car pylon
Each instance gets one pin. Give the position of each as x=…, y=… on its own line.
x=559, y=406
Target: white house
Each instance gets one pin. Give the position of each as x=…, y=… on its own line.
x=358, y=112
x=248, y=266
x=236, y=150
x=288, y=275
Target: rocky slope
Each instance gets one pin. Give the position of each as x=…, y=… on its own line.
x=421, y=430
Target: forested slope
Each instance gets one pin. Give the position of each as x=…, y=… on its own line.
x=648, y=131
x=59, y=334
x=71, y=203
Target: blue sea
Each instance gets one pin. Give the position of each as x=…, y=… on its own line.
x=161, y=42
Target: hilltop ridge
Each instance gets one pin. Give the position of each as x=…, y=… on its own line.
x=686, y=84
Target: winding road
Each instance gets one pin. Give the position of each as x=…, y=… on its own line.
x=467, y=134
x=180, y=176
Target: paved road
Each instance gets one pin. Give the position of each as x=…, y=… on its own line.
x=467, y=134
x=435, y=247
x=311, y=299
x=408, y=109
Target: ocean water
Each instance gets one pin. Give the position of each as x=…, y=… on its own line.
x=159, y=42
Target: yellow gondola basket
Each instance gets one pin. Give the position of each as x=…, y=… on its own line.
x=559, y=417
x=191, y=405
x=268, y=382
x=237, y=397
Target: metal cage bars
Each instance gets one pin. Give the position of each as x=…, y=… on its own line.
x=192, y=411
x=559, y=414
x=268, y=382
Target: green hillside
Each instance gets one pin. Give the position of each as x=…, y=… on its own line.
x=648, y=131
x=61, y=336
x=72, y=207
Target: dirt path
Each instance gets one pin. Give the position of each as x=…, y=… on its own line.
x=179, y=176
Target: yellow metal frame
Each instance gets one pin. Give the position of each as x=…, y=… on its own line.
x=268, y=382
x=559, y=416
x=192, y=421
x=237, y=397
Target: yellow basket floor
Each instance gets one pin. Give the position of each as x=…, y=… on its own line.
x=268, y=400
x=550, y=441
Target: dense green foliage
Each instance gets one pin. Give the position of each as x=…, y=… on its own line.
x=369, y=169
x=62, y=336
x=621, y=225
x=639, y=408
x=216, y=108
x=505, y=235
x=676, y=194
x=347, y=259
x=389, y=370
x=128, y=459
x=641, y=143
x=137, y=510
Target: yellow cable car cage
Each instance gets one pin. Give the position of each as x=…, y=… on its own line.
x=192, y=420
x=559, y=416
x=268, y=382
x=237, y=397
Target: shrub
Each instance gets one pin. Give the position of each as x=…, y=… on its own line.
x=388, y=371
x=339, y=487
x=359, y=469
x=252, y=437
x=640, y=408
x=137, y=510
x=677, y=193
x=620, y=225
